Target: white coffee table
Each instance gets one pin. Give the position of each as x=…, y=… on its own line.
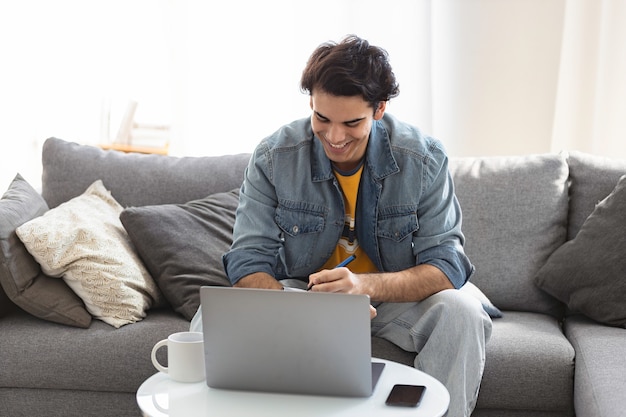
x=159, y=396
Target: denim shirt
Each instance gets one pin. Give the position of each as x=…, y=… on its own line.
x=291, y=209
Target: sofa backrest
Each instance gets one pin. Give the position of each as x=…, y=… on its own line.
x=516, y=210
x=135, y=179
x=514, y=216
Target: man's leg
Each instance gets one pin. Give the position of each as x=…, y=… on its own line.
x=448, y=331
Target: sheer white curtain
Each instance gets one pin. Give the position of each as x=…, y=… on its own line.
x=529, y=76
x=591, y=97
x=486, y=77
x=495, y=67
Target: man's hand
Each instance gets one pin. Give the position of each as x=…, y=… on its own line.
x=338, y=280
x=409, y=285
x=335, y=280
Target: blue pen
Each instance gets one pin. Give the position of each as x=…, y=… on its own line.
x=340, y=265
x=346, y=261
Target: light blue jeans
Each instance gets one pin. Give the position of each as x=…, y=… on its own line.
x=448, y=331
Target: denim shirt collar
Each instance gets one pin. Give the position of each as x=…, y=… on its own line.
x=321, y=169
x=379, y=157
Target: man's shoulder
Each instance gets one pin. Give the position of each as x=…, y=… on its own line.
x=289, y=136
x=408, y=139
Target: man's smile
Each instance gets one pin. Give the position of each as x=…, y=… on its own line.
x=339, y=145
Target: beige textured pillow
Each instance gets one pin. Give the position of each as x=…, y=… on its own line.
x=83, y=241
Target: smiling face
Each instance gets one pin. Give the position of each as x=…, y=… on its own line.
x=343, y=125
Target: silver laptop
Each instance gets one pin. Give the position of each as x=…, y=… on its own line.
x=288, y=342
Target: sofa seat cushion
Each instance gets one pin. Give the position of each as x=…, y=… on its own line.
x=529, y=366
x=38, y=354
x=25, y=402
x=514, y=217
x=600, y=367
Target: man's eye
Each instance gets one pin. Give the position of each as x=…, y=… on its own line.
x=352, y=124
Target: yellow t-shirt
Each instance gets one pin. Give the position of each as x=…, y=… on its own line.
x=348, y=244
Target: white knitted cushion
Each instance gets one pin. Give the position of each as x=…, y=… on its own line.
x=84, y=242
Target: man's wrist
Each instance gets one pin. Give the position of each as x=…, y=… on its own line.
x=259, y=280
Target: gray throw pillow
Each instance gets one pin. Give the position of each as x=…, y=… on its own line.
x=20, y=274
x=588, y=273
x=182, y=245
x=6, y=305
x=591, y=179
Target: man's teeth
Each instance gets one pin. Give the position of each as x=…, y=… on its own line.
x=338, y=146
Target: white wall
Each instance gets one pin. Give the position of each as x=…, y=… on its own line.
x=223, y=74
x=60, y=59
x=481, y=75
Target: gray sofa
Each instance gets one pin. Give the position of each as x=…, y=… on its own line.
x=545, y=358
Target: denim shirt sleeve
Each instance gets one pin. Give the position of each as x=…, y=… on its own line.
x=439, y=241
x=254, y=243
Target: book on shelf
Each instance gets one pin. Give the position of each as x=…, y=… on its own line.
x=139, y=137
x=150, y=135
x=126, y=126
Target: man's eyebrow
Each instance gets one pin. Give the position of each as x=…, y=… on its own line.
x=321, y=116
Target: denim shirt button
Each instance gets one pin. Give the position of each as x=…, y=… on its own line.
x=295, y=230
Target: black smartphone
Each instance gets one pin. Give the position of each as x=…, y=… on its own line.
x=405, y=395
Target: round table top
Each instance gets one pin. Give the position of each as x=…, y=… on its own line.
x=159, y=396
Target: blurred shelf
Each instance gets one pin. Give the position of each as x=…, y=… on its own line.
x=137, y=149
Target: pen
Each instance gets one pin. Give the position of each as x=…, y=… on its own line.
x=346, y=261
x=340, y=265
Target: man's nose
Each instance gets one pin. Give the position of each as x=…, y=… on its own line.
x=335, y=134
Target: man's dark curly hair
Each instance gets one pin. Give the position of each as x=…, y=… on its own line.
x=352, y=67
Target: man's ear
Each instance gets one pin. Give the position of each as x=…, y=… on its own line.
x=380, y=111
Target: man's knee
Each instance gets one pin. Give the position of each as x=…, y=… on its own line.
x=458, y=300
x=461, y=308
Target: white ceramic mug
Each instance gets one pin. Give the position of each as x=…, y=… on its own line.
x=185, y=356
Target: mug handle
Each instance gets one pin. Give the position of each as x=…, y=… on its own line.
x=155, y=362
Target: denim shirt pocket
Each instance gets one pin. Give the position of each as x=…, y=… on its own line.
x=395, y=227
x=301, y=225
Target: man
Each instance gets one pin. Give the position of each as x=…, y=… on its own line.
x=351, y=180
